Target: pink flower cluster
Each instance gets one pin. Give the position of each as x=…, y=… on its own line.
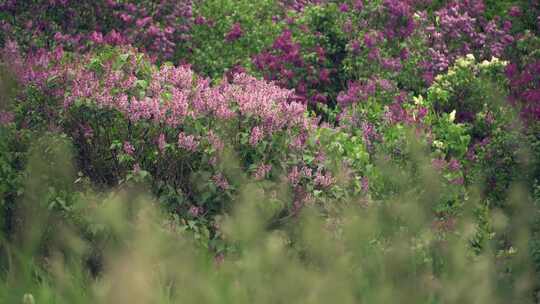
x=157, y=27
x=36, y=68
x=220, y=181
x=187, y=142
x=441, y=164
x=171, y=99
x=262, y=171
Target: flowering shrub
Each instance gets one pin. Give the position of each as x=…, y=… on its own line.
x=525, y=86
x=470, y=88
x=460, y=29
x=161, y=28
x=306, y=55
x=336, y=48
x=227, y=33
x=130, y=119
x=127, y=116
x=305, y=109
x=319, y=51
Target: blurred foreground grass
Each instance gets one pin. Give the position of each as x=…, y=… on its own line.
x=390, y=251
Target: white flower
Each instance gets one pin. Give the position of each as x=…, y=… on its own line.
x=438, y=144
x=464, y=62
x=438, y=78
x=452, y=116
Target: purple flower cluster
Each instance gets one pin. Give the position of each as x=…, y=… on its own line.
x=460, y=29
x=525, y=89
x=298, y=5
x=369, y=134
x=221, y=181
x=235, y=33
x=284, y=62
x=155, y=27
x=400, y=22
x=440, y=164
x=357, y=92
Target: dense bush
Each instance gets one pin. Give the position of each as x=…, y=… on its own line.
x=363, y=148
x=227, y=33
x=158, y=28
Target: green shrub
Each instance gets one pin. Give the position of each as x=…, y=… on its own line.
x=211, y=53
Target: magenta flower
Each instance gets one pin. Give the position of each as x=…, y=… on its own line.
x=220, y=181
x=421, y=113
x=235, y=33
x=324, y=180
x=515, y=11
x=143, y=22
x=96, y=37
x=162, y=142
x=374, y=54
x=355, y=47
x=200, y=20
x=320, y=158
x=454, y=165
x=358, y=5
x=457, y=181
x=187, y=142
x=256, y=136
x=128, y=148
x=324, y=75
x=299, y=142
x=262, y=171
x=294, y=176
x=306, y=172
x=195, y=211
x=364, y=181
